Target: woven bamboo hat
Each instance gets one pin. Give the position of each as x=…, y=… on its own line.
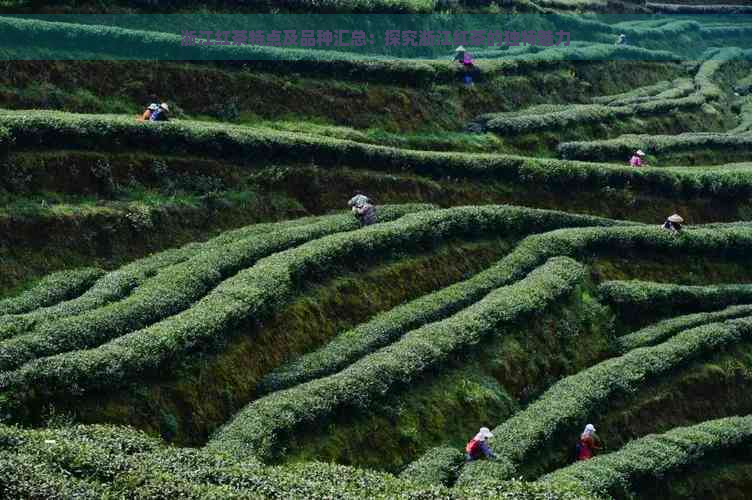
x=676, y=218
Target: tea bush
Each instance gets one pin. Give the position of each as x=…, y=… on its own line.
x=166, y=294
x=572, y=400
x=661, y=331
x=635, y=298
x=259, y=428
x=64, y=130
x=50, y=290
x=655, y=455
x=388, y=326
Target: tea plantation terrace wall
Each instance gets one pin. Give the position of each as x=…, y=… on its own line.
x=65, y=130
x=572, y=400
x=259, y=428
x=653, y=456
x=252, y=292
x=117, y=285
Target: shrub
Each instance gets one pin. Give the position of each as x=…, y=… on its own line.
x=251, y=293
x=655, y=455
x=116, y=285
x=64, y=130
x=349, y=346
x=638, y=298
x=545, y=118
x=50, y=290
x=440, y=466
x=569, y=402
x=674, y=8
x=94, y=462
x=646, y=92
x=624, y=145
x=259, y=428
x=661, y=331
x=166, y=294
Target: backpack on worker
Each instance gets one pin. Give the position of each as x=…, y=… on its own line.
x=473, y=448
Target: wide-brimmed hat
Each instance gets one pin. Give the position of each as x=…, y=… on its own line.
x=164, y=106
x=640, y=152
x=153, y=106
x=676, y=218
x=460, y=49
x=484, y=433
x=622, y=35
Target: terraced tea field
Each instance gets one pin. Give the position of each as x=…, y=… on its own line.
x=188, y=309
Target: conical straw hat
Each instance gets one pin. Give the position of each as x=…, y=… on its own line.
x=676, y=218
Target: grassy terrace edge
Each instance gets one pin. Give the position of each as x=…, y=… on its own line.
x=655, y=455
x=27, y=130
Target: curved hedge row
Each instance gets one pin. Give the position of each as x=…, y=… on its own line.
x=720, y=239
x=439, y=468
x=111, y=287
x=572, y=400
x=663, y=88
x=536, y=119
x=166, y=294
x=578, y=114
x=96, y=462
x=115, y=285
x=252, y=293
x=259, y=428
x=661, y=331
x=106, y=42
x=654, y=455
x=674, y=8
x=54, y=288
x=65, y=130
x=635, y=298
x=577, y=50
x=353, y=344
x=623, y=146
x=558, y=117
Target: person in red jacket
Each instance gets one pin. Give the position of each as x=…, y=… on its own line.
x=589, y=443
x=478, y=446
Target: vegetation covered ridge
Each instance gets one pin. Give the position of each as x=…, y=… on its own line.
x=253, y=292
x=347, y=347
x=547, y=118
x=658, y=332
x=167, y=294
x=55, y=129
x=94, y=462
x=574, y=399
x=655, y=455
x=116, y=285
x=52, y=289
x=260, y=427
x=207, y=323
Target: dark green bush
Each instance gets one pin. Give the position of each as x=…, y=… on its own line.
x=260, y=427
x=63, y=130
x=637, y=298
x=654, y=455
x=349, y=346
x=54, y=288
x=659, y=332
x=568, y=404
x=166, y=294
x=118, y=284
